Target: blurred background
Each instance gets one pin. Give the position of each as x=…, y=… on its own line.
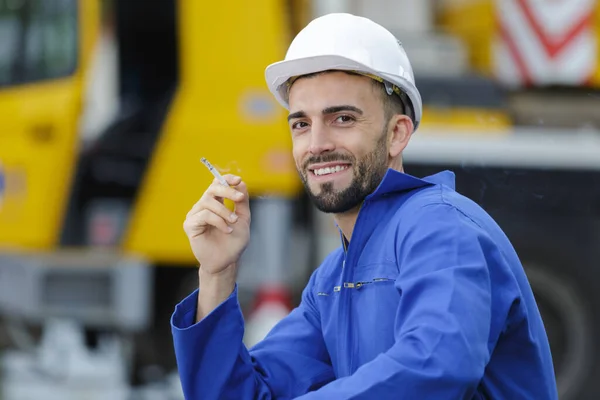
x=107, y=106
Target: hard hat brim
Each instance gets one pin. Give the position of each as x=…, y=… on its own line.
x=278, y=74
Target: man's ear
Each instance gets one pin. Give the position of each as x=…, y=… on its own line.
x=401, y=128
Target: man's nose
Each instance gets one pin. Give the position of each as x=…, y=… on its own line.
x=320, y=139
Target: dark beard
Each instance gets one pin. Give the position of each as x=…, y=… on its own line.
x=368, y=173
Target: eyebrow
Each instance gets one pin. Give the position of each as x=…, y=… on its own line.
x=297, y=114
x=337, y=109
x=326, y=111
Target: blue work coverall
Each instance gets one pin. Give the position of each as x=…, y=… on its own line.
x=428, y=301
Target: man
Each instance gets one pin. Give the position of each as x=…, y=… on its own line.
x=424, y=299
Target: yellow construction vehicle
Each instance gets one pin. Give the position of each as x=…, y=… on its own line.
x=91, y=226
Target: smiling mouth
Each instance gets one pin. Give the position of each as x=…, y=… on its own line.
x=329, y=170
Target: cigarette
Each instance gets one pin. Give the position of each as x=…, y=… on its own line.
x=214, y=171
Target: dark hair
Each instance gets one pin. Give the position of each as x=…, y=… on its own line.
x=392, y=104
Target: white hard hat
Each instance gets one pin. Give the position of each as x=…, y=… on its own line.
x=342, y=41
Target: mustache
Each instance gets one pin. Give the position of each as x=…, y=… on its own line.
x=330, y=157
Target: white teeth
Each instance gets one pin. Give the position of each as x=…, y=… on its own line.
x=326, y=171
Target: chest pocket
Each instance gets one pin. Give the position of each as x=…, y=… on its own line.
x=373, y=276
x=373, y=291
x=370, y=276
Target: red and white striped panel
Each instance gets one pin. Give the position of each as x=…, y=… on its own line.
x=542, y=42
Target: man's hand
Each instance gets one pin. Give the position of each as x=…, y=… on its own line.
x=218, y=238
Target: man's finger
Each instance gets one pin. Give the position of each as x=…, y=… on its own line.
x=233, y=180
x=218, y=208
x=242, y=206
x=198, y=223
x=218, y=191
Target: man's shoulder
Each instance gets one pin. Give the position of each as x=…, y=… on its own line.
x=437, y=202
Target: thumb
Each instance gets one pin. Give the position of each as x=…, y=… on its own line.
x=242, y=207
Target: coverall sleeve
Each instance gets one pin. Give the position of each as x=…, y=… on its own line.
x=214, y=363
x=443, y=317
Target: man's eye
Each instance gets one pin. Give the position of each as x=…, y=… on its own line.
x=344, y=118
x=299, y=125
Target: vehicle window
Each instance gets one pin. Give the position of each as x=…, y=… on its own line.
x=39, y=40
x=10, y=32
